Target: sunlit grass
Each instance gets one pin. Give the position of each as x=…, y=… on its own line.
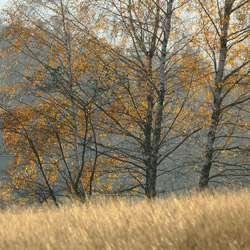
x=199, y=221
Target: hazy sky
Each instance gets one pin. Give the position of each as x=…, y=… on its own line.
x=3, y=2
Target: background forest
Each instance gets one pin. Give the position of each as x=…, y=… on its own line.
x=123, y=97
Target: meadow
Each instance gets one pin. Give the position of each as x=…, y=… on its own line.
x=197, y=221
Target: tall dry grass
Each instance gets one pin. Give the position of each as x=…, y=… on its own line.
x=200, y=221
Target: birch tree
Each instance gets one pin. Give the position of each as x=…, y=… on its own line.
x=56, y=59
x=225, y=40
x=148, y=95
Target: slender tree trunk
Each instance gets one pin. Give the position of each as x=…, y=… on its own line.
x=215, y=119
x=153, y=154
x=149, y=189
x=216, y=113
x=79, y=191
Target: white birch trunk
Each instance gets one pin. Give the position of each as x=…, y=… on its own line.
x=216, y=113
x=151, y=172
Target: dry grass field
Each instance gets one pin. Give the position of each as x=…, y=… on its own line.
x=200, y=221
